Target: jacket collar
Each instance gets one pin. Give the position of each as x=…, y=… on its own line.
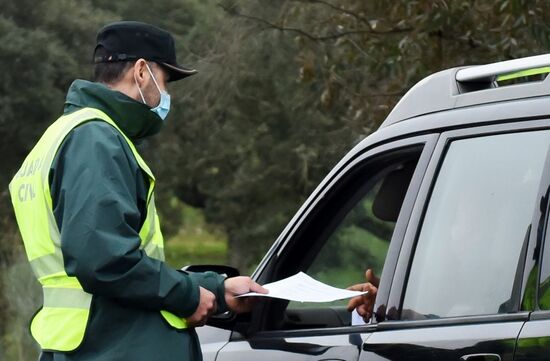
x=134, y=118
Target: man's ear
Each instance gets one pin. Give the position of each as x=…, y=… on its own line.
x=140, y=71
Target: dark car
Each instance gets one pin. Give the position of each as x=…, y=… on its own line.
x=449, y=202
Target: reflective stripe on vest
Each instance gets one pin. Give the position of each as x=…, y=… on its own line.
x=61, y=323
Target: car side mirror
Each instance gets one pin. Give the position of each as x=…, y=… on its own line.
x=223, y=270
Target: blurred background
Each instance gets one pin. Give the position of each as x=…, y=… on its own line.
x=285, y=88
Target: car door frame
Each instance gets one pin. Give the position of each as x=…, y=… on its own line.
x=406, y=254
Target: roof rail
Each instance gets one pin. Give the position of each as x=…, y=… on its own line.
x=473, y=85
x=490, y=72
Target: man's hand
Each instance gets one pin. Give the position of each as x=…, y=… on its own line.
x=365, y=303
x=206, y=307
x=237, y=286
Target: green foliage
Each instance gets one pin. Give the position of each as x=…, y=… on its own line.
x=360, y=241
x=23, y=301
x=196, y=242
x=44, y=46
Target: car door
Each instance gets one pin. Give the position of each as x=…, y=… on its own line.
x=346, y=226
x=534, y=339
x=458, y=291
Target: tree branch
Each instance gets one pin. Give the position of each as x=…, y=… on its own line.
x=234, y=12
x=339, y=9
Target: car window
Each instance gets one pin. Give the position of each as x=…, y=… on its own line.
x=362, y=238
x=475, y=227
x=349, y=233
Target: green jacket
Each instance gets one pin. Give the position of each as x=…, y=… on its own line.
x=100, y=241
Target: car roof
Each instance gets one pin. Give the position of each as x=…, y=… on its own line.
x=471, y=86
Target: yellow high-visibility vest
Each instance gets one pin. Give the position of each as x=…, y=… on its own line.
x=61, y=323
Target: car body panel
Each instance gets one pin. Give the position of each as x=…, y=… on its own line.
x=534, y=339
x=275, y=348
x=443, y=343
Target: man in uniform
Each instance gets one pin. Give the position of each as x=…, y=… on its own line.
x=84, y=202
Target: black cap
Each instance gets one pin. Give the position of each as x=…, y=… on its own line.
x=132, y=40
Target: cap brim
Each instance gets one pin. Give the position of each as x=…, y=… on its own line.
x=178, y=72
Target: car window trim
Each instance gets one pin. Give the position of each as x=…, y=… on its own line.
x=327, y=331
x=539, y=315
x=454, y=321
x=427, y=142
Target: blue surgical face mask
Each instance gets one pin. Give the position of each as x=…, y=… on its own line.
x=163, y=107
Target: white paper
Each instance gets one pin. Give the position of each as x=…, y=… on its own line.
x=303, y=288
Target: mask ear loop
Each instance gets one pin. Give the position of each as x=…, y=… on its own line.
x=139, y=89
x=152, y=76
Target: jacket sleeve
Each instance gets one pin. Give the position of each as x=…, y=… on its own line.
x=214, y=283
x=97, y=190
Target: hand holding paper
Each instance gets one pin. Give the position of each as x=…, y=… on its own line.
x=239, y=285
x=303, y=288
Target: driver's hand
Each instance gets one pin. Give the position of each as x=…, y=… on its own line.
x=365, y=303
